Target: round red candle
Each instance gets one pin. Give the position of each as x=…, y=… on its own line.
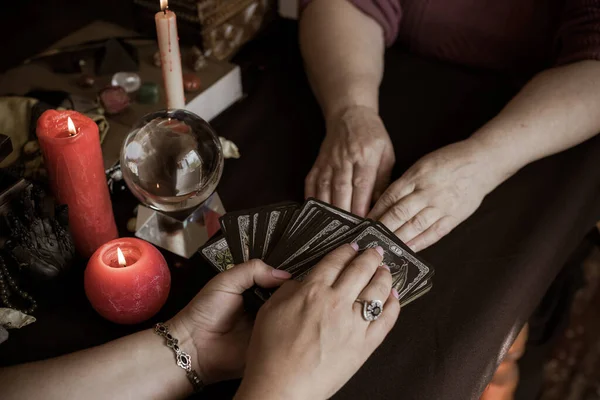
x=76, y=172
x=132, y=293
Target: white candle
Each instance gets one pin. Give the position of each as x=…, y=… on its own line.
x=168, y=45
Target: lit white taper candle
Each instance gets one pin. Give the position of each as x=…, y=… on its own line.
x=168, y=45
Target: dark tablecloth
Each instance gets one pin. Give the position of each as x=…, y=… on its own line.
x=491, y=271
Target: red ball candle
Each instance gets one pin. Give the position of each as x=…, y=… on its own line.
x=130, y=287
x=71, y=146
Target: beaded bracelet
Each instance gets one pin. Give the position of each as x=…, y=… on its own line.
x=183, y=359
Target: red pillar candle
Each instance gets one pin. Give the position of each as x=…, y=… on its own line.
x=75, y=167
x=131, y=290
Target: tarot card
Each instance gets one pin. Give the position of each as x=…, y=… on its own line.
x=303, y=216
x=252, y=235
x=313, y=222
x=237, y=239
x=290, y=235
x=407, y=270
x=417, y=294
x=232, y=236
x=424, y=279
x=353, y=219
x=311, y=239
x=301, y=222
x=311, y=214
x=336, y=234
x=261, y=222
x=237, y=234
x=299, y=265
x=274, y=222
x=306, y=245
x=280, y=227
x=420, y=286
x=243, y=230
x=260, y=234
x=328, y=229
x=217, y=253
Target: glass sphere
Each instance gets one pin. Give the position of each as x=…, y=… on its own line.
x=172, y=160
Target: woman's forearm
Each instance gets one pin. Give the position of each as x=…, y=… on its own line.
x=556, y=110
x=139, y=366
x=343, y=52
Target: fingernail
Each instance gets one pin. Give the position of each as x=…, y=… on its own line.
x=386, y=267
x=379, y=250
x=395, y=294
x=354, y=245
x=280, y=274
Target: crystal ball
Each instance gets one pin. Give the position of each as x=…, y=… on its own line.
x=172, y=160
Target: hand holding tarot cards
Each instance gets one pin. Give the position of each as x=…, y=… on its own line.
x=295, y=238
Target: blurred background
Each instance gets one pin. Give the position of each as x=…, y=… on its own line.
x=30, y=26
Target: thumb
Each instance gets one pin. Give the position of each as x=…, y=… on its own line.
x=254, y=272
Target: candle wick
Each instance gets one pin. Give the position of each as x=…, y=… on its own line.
x=166, y=9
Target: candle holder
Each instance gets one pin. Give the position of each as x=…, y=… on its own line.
x=172, y=162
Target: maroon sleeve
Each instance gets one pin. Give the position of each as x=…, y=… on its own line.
x=386, y=12
x=578, y=37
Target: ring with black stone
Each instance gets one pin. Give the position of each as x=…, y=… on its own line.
x=371, y=310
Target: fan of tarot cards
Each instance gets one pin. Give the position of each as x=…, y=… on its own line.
x=295, y=237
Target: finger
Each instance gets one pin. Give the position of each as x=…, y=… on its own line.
x=438, y=230
x=310, y=183
x=391, y=196
x=383, y=177
x=324, y=184
x=379, y=328
x=330, y=267
x=341, y=194
x=379, y=287
x=418, y=224
x=401, y=212
x=359, y=272
x=363, y=181
x=243, y=276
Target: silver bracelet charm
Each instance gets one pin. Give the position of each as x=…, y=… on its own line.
x=183, y=359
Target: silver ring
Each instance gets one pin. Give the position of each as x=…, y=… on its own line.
x=371, y=310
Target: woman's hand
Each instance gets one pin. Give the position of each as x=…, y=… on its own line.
x=310, y=337
x=214, y=324
x=355, y=161
x=437, y=193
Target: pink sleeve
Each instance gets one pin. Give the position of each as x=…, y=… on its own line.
x=386, y=12
x=578, y=36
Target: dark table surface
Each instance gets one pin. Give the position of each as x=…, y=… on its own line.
x=491, y=271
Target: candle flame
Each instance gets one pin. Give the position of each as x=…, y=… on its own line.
x=164, y=4
x=71, y=125
x=121, y=258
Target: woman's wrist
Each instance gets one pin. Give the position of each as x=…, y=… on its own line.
x=179, y=331
x=365, y=97
x=156, y=368
x=497, y=160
